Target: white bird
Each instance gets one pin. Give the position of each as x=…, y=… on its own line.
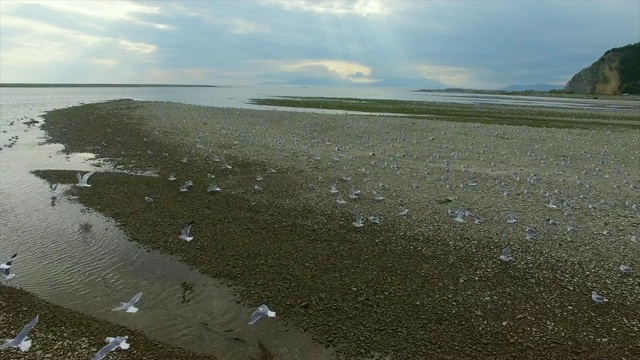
x=112, y=344
x=262, y=310
x=624, y=270
x=340, y=200
x=172, y=177
x=377, y=196
x=333, y=188
x=53, y=187
x=82, y=179
x=5, y=268
x=512, y=219
x=214, y=188
x=404, y=212
x=358, y=223
x=128, y=306
x=597, y=298
x=185, y=234
x=21, y=340
x=506, y=255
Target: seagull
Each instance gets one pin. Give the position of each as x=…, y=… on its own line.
x=512, y=219
x=624, y=270
x=53, y=187
x=185, y=234
x=128, y=306
x=597, y=298
x=530, y=233
x=460, y=214
x=375, y=219
x=404, y=212
x=354, y=193
x=377, y=196
x=5, y=268
x=358, y=223
x=21, y=341
x=340, y=200
x=82, y=179
x=506, y=255
x=112, y=344
x=260, y=312
x=333, y=188
x=172, y=177
x=549, y=203
x=213, y=188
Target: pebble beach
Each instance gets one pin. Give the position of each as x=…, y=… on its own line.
x=417, y=284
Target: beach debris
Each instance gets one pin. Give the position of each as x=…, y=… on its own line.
x=112, y=344
x=186, y=234
x=129, y=306
x=82, y=179
x=261, y=311
x=21, y=340
x=5, y=268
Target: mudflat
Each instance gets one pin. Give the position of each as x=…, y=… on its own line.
x=420, y=283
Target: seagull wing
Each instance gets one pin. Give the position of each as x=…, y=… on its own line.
x=105, y=350
x=25, y=330
x=86, y=176
x=135, y=298
x=186, y=230
x=260, y=312
x=7, y=265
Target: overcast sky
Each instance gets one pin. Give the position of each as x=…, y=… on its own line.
x=475, y=44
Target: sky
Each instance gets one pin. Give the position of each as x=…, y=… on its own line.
x=427, y=44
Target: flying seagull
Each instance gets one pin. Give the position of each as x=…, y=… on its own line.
x=112, y=344
x=21, y=341
x=128, y=306
x=260, y=312
x=82, y=179
x=5, y=268
x=185, y=234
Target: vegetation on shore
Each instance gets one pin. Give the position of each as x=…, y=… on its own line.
x=485, y=113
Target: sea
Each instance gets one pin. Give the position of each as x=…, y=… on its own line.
x=79, y=259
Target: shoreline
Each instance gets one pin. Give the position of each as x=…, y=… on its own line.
x=396, y=289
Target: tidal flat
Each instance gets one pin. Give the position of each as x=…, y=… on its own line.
x=414, y=286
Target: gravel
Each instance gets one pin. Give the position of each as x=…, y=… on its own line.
x=413, y=287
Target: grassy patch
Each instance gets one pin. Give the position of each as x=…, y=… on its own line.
x=485, y=113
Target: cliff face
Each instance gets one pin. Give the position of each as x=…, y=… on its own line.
x=616, y=72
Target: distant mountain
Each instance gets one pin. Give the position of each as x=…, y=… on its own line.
x=616, y=72
x=536, y=87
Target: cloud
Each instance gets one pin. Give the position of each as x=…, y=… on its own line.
x=338, y=7
x=345, y=70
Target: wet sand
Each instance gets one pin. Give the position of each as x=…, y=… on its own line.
x=412, y=287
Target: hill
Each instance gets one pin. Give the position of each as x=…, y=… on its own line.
x=616, y=72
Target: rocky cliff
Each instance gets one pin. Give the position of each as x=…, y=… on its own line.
x=616, y=72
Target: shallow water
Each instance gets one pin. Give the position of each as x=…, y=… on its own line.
x=81, y=260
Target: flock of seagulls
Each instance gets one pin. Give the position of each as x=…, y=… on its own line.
x=22, y=340
x=552, y=201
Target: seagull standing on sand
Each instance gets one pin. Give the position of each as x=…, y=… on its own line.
x=505, y=257
x=53, y=187
x=112, y=344
x=358, y=223
x=597, y=298
x=128, y=306
x=624, y=270
x=21, y=340
x=5, y=268
x=82, y=179
x=185, y=234
x=261, y=311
